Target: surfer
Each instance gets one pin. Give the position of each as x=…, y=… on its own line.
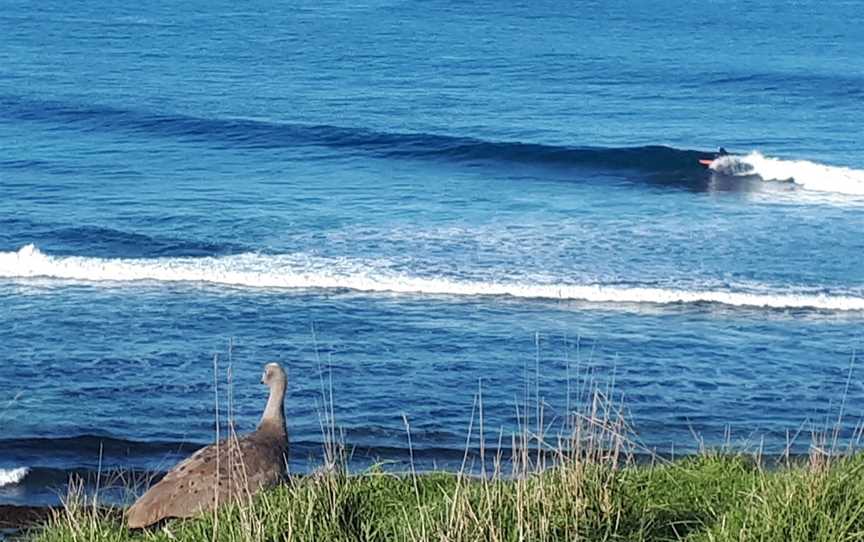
x=708, y=161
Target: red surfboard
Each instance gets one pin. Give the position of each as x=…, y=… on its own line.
x=706, y=163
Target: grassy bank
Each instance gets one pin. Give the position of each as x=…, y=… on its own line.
x=707, y=497
x=586, y=484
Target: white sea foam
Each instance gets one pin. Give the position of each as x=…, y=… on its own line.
x=10, y=477
x=293, y=271
x=808, y=175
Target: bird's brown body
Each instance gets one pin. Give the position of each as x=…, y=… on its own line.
x=231, y=470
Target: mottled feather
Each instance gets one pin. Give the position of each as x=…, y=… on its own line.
x=233, y=469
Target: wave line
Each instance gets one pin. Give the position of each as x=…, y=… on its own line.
x=806, y=174
x=11, y=477
x=300, y=271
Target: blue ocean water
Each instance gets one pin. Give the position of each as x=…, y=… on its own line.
x=415, y=202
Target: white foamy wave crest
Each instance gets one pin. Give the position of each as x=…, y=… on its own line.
x=809, y=175
x=292, y=271
x=10, y=477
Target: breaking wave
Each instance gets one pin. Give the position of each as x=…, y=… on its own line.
x=301, y=271
x=806, y=174
x=10, y=477
x=105, y=242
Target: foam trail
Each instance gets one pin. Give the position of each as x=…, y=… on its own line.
x=809, y=175
x=293, y=271
x=10, y=477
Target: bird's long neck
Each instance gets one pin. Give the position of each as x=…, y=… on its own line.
x=273, y=419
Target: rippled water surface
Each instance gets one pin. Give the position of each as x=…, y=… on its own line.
x=410, y=203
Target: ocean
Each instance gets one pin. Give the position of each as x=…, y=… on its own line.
x=410, y=205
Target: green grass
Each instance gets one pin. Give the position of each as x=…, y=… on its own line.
x=586, y=487
x=709, y=497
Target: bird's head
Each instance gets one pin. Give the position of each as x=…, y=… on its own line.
x=273, y=374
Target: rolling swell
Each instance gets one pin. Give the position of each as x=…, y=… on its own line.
x=47, y=478
x=47, y=486
x=89, y=446
x=35, y=468
x=270, y=135
x=85, y=451
x=107, y=242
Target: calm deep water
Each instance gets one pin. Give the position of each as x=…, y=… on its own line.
x=418, y=201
